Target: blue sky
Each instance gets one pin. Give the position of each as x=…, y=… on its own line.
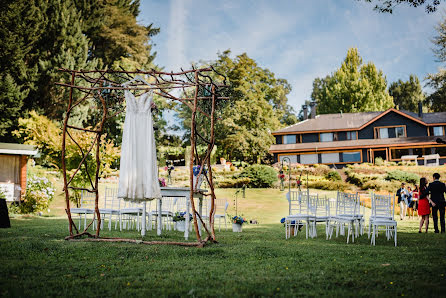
x=297, y=40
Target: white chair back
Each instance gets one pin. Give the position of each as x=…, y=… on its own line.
x=301, y=202
x=87, y=199
x=347, y=204
x=382, y=206
x=323, y=207
x=221, y=206
x=111, y=199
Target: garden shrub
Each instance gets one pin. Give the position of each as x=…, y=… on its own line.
x=39, y=194
x=379, y=161
x=379, y=184
x=333, y=176
x=403, y=176
x=321, y=170
x=259, y=175
x=329, y=185
x=232, y=182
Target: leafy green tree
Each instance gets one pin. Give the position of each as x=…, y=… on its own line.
x=21, y=26
x=258, y=104
x=437, y=100
x=46, y=135
x=40, y=36
x=115, y=37
x=354, y=87
x=387, y=6
x=407, y=94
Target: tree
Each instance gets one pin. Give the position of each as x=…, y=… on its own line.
x=258, y=104
x=354, y=87
x=115, y=37
x=387, y=6
x=46, y=135
x=21, y=25
x=408, y=94
x=437, y=100
x=40, y=36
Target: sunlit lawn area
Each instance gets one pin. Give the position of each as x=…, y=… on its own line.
x=36, y=261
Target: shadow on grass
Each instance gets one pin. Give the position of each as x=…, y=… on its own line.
x=257, y=262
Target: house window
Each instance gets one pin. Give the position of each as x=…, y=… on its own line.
x=293, y=158
x=351, y=135
x=351, y=156
x=440, y=150
x=289, y=139
x=328, y=137
x=438, y=131
x=399, y=132
x=330, y=157
x=384, y=133
x=307, y=159
x=397, y=153
x=390, y=132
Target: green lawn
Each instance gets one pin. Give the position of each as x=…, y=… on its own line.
x=36, y=261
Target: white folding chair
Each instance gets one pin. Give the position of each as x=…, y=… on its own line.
x=111, y=206
x=87, y=207
x=300, y=213
x=167, y=212
x=323, y=213
x=347, y=213
x=382, y=216
x=128, y=214
x=221, y=207
x=220, y=211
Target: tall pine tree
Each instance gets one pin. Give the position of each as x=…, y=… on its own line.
x=354, y=87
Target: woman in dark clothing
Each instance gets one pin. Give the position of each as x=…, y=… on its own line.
x=423, y=205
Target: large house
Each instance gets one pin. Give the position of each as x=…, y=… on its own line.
x=339, y=139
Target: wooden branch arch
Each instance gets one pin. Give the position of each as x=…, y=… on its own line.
x=94, y=82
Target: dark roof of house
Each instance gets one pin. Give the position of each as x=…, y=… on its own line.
x=428, y=118
x=353, y=121
x=354, y=144
x=20, y=149
x=332, y=122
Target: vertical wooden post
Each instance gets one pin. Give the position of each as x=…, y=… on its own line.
x=98, y=163
x=64, y=166
x=211, y=182
x=192, y=158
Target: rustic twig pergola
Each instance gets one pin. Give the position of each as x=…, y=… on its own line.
x=196, y=86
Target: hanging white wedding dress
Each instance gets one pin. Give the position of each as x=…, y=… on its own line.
x=138, y=172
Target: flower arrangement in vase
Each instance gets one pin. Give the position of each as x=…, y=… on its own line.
x=237, y=223
x=180, y=220
x=196, y=171
x=169, y=170
x=162, y=182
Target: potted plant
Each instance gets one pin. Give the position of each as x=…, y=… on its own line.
x=237, y=223
x=180, y=221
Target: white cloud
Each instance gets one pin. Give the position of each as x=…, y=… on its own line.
x=177, y=34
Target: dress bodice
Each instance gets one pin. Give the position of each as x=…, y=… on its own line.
x=138, y=105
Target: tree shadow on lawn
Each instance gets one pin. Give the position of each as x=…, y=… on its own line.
x=258, y=261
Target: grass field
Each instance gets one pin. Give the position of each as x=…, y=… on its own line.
x=36, y=261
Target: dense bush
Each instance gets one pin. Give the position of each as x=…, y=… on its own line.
x=39, y=194
x=403, y=176
x=321, y=170
x=329, y=185
x=380, y=184
x=333, y=176
x=232, y=182
x=259, y=175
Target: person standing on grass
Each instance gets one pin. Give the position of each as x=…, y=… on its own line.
x=409, y=202
x=437, y=189
x=402, y=200
x=423, y=205
x=415, y=197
